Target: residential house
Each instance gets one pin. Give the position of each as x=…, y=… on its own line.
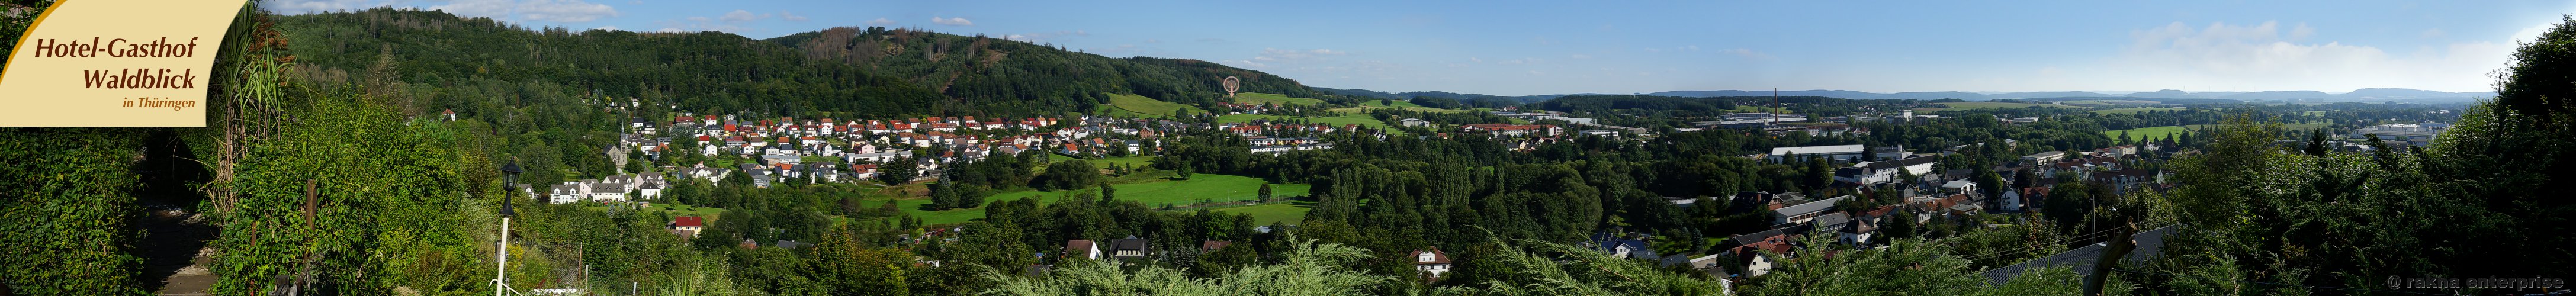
x=608, y=191
x=687, y=226
x=1081, y=248
x=2044, y=157
x=568, y=192
x=1622, y=246
x=1431, y=261
x=1128, y=248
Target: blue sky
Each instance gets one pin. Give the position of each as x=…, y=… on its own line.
x=1552, y=47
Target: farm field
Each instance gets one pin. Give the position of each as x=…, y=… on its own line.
x=2133, y=110
x=1211, y=187
x=1257, y=98
x=2114, y=102
x=1982, y=105
x=1141, y=106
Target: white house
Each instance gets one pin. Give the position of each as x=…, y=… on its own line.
x=1081, y=248
x=608, y=191
x=568, y=192
x=1431, y=261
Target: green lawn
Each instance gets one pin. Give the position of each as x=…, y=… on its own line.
x=1257, y=98
x=2133, y=110
x=1275, y=212
x=1141, y=106
x=1981, y=105
x=1219, y=188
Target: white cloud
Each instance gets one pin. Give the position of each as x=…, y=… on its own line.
x=1274, y=54
x=1475, y=59
x=951, y=21
x=791, y=16
x=880, y=22
x=2259, y=57
x=2532, y=33
x=562, y=11
x=1247, y=63
x=742, y=16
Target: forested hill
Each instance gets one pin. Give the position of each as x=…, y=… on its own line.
x=985, y=67
x=469, y=64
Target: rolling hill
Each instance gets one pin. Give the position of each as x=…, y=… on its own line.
x=868, y=72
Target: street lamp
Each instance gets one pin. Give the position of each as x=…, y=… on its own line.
x=501, y=271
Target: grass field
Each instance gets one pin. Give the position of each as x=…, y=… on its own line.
x=2114, y=102
x=2133, y=110
x=1982, y=105
x=1213, y=187
x=1276, y=212
x=2161, y=131
x=1141, y=106
x=1257, y=98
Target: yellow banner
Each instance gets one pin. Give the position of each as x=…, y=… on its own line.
x=115, y=63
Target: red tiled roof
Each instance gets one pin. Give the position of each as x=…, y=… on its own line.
x=687, y=221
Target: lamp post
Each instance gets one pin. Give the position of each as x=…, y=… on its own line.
x=501, y=270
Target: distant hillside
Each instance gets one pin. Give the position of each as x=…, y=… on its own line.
x=2279, y=95
x=1765, y=93
x=2046, y=94
x=2168, y=101
x=1934, y=95
x=1363, y=93
x=863, y=71
x=981, y=67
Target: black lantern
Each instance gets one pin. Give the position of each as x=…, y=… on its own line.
x=510, y=173
x=510, y=180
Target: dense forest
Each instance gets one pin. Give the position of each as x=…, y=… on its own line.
x=480, y=65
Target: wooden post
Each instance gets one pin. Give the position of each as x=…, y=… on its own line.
x=2112, y=255
x=309, y=200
